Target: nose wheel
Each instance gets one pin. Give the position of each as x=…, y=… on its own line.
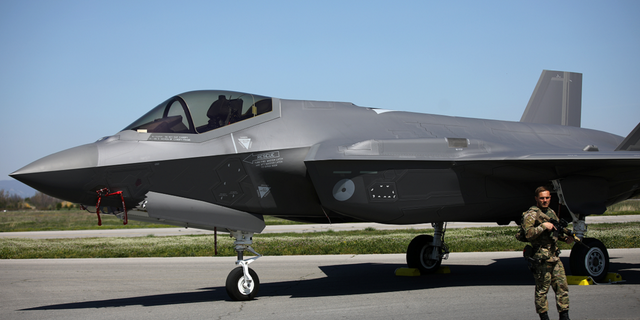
x=241, y=287
x=243, y=283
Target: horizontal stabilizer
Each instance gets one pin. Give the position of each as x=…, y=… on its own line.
x=557, y=99
x=632, y=141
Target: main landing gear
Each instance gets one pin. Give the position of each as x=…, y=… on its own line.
x=426, y=252
x=592, y=261
x=243, y=283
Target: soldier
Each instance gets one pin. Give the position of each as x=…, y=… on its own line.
x=549, y=271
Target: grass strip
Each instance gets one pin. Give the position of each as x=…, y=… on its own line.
x=18, y=221
x=370, y=241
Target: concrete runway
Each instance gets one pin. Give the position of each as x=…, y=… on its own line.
x=494, y=285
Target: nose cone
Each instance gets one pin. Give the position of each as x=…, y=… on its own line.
x=63, y=174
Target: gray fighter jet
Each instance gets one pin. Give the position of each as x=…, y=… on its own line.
x=222, y=160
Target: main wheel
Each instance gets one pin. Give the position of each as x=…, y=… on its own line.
x=593, y=262
x=238, y=288
x=418, y=254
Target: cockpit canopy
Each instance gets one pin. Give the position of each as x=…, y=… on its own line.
x=201, y=111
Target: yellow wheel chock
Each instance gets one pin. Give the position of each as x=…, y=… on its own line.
x=611, y=278
x=414, y=272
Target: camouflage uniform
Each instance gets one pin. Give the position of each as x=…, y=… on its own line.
x=550, y=271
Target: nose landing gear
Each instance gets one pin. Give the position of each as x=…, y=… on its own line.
x=243, y=283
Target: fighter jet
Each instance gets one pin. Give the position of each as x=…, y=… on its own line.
x=221, y=160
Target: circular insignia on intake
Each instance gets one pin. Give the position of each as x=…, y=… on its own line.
x=344, y=189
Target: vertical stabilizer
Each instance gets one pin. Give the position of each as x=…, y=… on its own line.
x=557, y=99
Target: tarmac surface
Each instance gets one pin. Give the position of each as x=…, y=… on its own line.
x=480, y=286
x=492, y=285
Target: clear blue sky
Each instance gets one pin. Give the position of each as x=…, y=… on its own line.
x=72, y=72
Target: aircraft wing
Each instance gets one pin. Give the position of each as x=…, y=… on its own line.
x=456, y=149
x=446, y=178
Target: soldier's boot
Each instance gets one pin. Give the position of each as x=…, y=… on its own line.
x=544, y=316
x=564, y=315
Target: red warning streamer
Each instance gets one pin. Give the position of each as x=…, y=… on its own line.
x=105, y=192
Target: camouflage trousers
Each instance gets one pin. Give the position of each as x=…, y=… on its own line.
x=551, y=274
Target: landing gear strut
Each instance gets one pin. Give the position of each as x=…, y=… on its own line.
x=592, y=262
x=243, y=283
x=426, y=252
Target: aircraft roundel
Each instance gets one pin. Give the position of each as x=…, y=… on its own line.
x=344, y=189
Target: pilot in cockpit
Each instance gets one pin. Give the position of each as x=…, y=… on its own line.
x=223, y=112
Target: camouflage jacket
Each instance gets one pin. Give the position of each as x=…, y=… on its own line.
x=545, y=245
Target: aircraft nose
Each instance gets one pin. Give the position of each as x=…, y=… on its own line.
x=62, y=175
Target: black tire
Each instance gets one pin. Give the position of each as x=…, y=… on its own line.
x=236, y=285
x=418, y=252
x=593, y=262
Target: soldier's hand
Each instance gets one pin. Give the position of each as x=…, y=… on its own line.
x=548, y=225
x=569, y=240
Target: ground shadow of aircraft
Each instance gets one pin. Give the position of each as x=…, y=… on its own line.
x=350, y=279
x=221, y=160
x=353, y=279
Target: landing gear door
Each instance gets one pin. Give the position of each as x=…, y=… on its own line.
x=585, y=195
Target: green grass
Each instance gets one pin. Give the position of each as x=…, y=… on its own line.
x=14, y=221
x=614, y=235
x=83, y=220
x=368, y=241
x=624, y=208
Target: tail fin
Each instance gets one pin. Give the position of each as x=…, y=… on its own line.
x=557, y=99
x=632, y=141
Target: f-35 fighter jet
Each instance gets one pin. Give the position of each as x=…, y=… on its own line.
x=222, y=160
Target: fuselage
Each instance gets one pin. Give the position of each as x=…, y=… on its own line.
x=329, y=161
